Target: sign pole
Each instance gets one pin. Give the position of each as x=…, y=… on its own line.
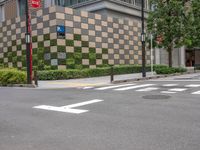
x=143, y=43
x=28, y=46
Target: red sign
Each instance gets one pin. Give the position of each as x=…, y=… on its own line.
x=35, y=3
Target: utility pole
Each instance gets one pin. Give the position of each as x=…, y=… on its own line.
x=143, y=43
x=28, y=46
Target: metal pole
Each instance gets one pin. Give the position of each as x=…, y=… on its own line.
x=151, y=54
x=143, y=43
x=28, y=43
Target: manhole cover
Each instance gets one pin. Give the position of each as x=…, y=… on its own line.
x=156, y=97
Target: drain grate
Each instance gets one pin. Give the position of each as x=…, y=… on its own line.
x=156, y=97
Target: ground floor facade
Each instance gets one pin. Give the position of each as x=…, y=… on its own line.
x=181, y=57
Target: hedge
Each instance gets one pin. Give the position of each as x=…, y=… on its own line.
x=83, y=73
x=12, y=76
x=104, y=71
x=167, y=70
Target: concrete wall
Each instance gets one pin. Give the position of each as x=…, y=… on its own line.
x=178, y=57
x=91, y=40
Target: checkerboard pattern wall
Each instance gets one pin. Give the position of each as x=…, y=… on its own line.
x=90, y=41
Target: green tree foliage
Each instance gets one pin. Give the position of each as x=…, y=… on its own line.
x=166, y=22
x=192, y=36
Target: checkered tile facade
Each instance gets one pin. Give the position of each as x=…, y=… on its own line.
x=90, y=41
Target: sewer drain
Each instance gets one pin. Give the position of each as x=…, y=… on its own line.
x=156, y=97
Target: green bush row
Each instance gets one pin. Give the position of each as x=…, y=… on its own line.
x=168, y=70
x=12, y=76
x=77, y=73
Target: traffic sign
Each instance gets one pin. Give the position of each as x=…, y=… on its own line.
x=35, y=3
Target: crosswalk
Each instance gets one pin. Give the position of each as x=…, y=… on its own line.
x=194, y=89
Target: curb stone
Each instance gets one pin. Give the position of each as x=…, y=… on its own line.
x=152, y=77
x=20, y=85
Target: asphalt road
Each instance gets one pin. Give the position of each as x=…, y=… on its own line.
x=126, y=119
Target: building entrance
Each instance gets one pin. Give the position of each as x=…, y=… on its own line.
x=192, y=57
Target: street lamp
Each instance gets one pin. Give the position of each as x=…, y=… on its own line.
x=143, y=43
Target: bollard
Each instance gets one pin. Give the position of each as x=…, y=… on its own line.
x=35, y=78
x=111, y=74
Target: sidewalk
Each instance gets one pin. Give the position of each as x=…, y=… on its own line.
x=98, y=81
x=88, y=82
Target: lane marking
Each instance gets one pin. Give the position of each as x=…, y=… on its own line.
x=176, y=80
x=169, y=85
x=147, y=89
x=87, y=87
x=114, y=86
x=193, y=85
x=133, y=87
x=167, y=92
x=197, y=92
x=69, y=108
x=177, y=89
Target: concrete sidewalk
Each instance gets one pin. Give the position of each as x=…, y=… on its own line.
x=88, y=82
x=98, y=81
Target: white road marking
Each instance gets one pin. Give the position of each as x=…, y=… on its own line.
x=193, y=85
x=147, y=89
x=69, y=108
x=169, y=85
x=197, y=92
x=167, y=92
x=87, y=87
x=114, y=86
x=175, y=80
x=133, y=87
x=178, y=89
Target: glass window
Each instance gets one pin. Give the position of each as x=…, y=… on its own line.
x=22, y=7
x=2, y=13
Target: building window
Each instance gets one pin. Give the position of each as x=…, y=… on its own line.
x=22, y=6
x=68, y=2
x=2, y=17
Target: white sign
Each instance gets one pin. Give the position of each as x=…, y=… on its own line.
x=69, y=108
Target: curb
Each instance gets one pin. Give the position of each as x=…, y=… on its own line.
x=20, y=85
x=152, y=77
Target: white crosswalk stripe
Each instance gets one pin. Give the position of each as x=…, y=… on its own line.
x=169, y=85
x=177, y=89
x=161, y=88
x=133, y=87
x=147, y=89
x=114, y=86
x=197, y=92
x=168, y=92
x=193, y=85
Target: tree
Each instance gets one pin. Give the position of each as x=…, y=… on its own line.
x=192, y=25
x=165, y=22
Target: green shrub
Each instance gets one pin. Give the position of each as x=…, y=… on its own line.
x=77, y=49
x=168, y=70
x=19, y=47
x=83, y=73
x=53, y=42
x=61, y=49
x=47, y=37
x=12, y=76
x=69, y=43
x=77, y=37
x=85, y=44
x=92, y=50
x=13, y=43
x=34, y=39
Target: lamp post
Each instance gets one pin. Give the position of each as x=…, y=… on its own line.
x=28, y=46
x=143, y=43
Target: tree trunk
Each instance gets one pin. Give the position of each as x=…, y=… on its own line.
x=170, y=56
